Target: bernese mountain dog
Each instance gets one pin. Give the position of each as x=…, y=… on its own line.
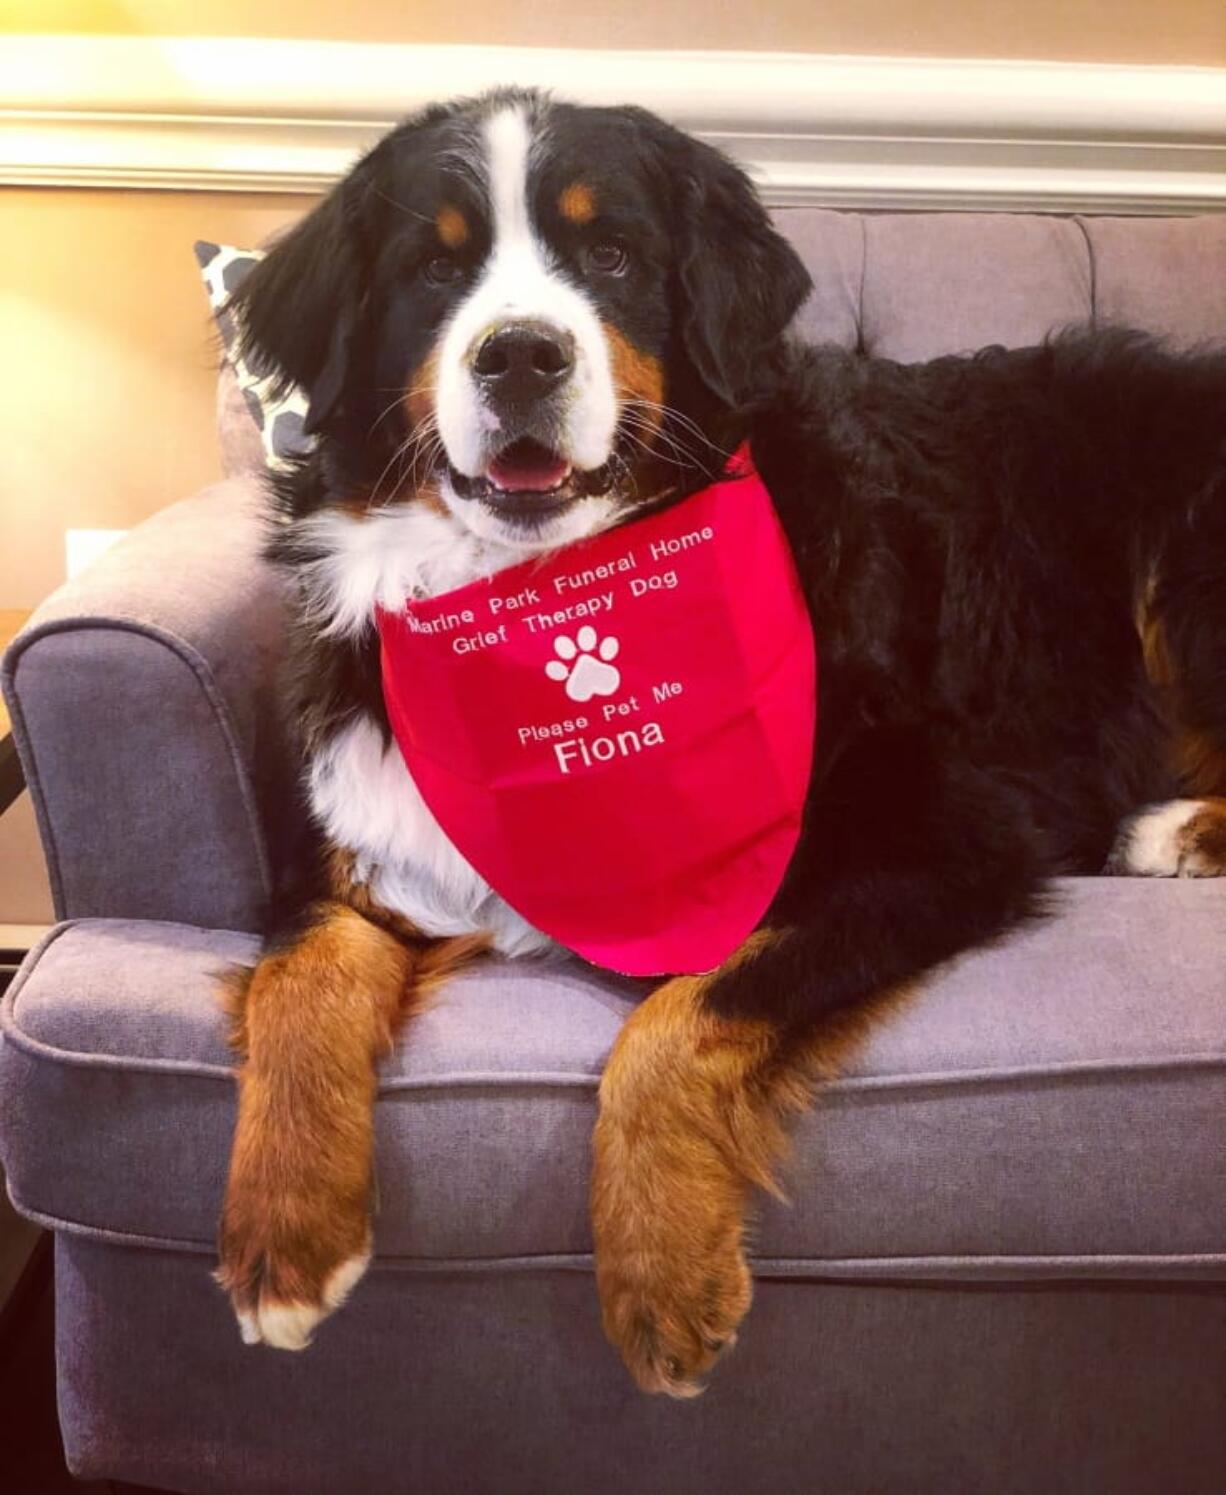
x=520, y=322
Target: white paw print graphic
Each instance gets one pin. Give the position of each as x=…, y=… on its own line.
x=577, y=663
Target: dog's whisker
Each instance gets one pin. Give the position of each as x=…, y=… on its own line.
x=427, y=456
x=642, y=411
x=676, y=455
x=671, y=413
x=382, y=416
x=652, y=431
x=430, y=449
x=392, y=460
x=661, y=457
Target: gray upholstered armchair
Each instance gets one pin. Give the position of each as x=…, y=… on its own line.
x=1005, y=1265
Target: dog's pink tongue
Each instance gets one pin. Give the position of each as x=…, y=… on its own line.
x=520, y=471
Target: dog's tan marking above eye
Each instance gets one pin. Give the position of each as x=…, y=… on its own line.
x=452, y=226
x=577, y=204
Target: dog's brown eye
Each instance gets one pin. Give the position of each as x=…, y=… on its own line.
x=608, y=258
x=443, y=270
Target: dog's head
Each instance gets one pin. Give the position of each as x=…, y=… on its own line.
x=531, y=314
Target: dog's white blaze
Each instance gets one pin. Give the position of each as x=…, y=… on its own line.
x=365, y=799
x=519, y=280
x=508, y=144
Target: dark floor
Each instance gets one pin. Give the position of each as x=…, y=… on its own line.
x=31, y=1454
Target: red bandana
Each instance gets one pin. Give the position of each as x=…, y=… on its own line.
x=618, y=736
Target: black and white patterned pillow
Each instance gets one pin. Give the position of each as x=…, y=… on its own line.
x=279, y=418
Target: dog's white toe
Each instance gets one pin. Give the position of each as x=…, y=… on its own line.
x=289, y=1326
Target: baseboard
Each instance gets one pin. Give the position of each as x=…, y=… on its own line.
x=215, y=113
x=22, y=936
x=16, y=941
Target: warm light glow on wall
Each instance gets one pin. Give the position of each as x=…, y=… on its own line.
x=92, y=17
x=1134, y=31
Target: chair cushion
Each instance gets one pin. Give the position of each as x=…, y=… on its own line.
x=1049, y=1106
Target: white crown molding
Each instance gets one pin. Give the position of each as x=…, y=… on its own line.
x=289, y=116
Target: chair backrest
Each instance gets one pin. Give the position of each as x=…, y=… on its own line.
x=911, y=286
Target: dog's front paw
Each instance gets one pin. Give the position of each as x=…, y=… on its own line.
x=670, y=1264
x=288, y=1259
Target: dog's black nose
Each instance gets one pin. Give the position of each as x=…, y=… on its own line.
x=522, y=361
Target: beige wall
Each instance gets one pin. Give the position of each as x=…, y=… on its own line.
x=25, y=894
x=107, y=414
x=107, y=408
x=1083, y=30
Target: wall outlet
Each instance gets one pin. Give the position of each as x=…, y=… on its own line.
x=83, y=546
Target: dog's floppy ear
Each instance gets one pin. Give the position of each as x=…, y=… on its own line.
x=298, y=308
x=741, y=281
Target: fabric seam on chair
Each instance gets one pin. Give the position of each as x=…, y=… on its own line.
x=199, y=667
x=851, y=1085
x=1079, y=220
x=860, y=219
x=1147, y=1067
x=836, y=1268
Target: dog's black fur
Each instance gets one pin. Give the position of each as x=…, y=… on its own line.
x=977, y=538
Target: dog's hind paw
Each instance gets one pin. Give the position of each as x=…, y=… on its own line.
x=1181, y=838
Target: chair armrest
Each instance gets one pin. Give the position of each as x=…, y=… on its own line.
x=143, y=707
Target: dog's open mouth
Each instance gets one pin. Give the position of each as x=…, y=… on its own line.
x=529, y=481
x=528, y=467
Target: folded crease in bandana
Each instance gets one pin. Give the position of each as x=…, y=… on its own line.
x=618, y=736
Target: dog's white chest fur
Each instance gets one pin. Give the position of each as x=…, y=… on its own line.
x=366, y=799
x=362, y=794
